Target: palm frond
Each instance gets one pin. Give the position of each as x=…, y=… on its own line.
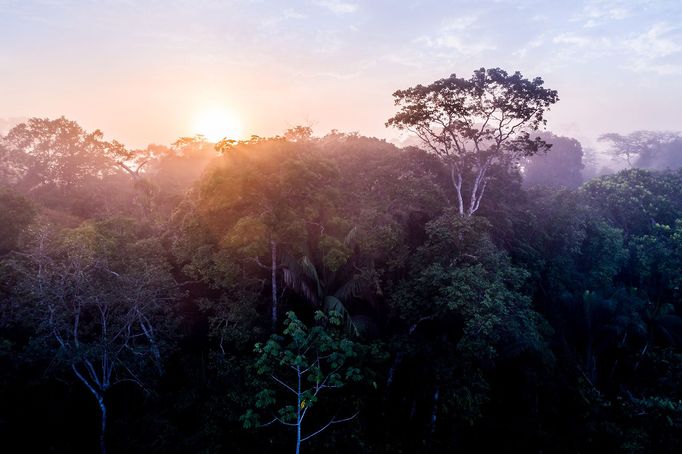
x=350, y=236
x=301, y=276
x=309, y=270
x=293, y=280
x=352, y=288
x=333, y=304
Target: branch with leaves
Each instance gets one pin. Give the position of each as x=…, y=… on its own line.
x=300, y=365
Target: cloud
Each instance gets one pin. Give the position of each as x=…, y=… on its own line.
x=291, y=14
x=459, y=34
x=657, y=42
x=457, y=43
x=530, y=46
x=338, y=6
x=287, y=14
x=658, y=50
x=569, y=49
x=598, y=12
x=407, y=59
x=655, y=49
x=572, y=39
x=459, y=23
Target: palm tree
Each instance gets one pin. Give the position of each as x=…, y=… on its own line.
x=330, y=288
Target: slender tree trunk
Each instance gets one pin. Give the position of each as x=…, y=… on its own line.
x=434, y=411
x=103, y=427
x=273, y=245
x=456, y=177
x=391, y=371
x=591, y=363
x=298, y=412
x=478, y=188
x=99, y=395
x=298, y=438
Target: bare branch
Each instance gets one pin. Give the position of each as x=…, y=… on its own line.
x=333, y=421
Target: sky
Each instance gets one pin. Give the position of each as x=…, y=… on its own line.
x=152, y=71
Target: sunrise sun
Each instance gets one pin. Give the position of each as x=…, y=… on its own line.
x=216, y=124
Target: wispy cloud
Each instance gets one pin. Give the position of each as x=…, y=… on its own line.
x=459, y=23
x=403, y=59
x=598, y=12
x=574, y=40
x=529, y=47
x=285, y=15
x=456, y=43
x=338, y=6
x=459, y=34
x=568, y=49
x=654, y=49
x=659, y=50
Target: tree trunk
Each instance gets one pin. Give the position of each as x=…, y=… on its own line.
x=456, y=177
x=478, y=189
x=99, y=395
x=298, y=412
x=434, y=411
x=103, y=426
x=298, y=438
x=391, y=371
x=274, y=284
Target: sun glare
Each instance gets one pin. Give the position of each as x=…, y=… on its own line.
x=217, y=124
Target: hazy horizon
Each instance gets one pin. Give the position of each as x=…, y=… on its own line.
x=160, y=66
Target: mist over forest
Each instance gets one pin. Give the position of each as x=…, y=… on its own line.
x=493, y=287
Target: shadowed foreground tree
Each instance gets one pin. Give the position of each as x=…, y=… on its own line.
x=100, y=299
x=473, y=124
x=303, y=363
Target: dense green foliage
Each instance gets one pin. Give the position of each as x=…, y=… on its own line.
x=210, y=300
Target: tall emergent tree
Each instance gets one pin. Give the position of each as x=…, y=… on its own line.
x=474, y=124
